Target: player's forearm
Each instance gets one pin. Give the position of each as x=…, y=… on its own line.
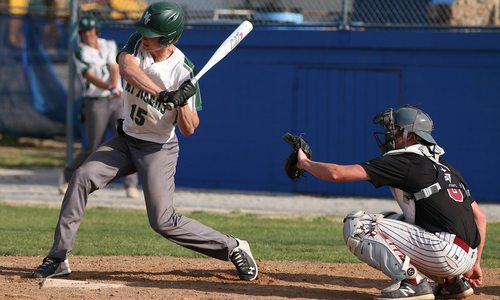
x=333, y=172
x=113, y=74
x=323, y=171
x=481, y=221
x=90, y=76
x=140, y=80
x=187, y=120
x=134, y=75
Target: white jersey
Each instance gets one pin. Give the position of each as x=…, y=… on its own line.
x=144, y=117
x=96, y=60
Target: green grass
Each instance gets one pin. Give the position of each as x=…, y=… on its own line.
x=24, y=160
x=28, y=231
x=20, y=152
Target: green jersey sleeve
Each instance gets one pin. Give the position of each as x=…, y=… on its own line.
x=131, y=45
x=190, y=66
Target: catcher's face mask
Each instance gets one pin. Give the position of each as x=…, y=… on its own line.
x=386, y=140
x=404, y=120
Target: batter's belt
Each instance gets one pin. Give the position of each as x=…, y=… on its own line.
x=130, y=139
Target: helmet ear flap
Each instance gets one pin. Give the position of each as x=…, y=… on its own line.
x=164, y=42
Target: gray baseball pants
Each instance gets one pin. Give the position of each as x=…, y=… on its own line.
x=100, y=115
x=156, y=166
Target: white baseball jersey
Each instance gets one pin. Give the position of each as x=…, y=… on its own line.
x=96, y=60
x=144, y=117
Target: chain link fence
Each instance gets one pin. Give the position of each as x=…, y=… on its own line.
x=333, y=13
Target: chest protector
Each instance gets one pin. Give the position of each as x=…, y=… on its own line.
x=454, y=185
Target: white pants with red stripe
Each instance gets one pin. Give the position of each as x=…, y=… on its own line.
x=439, y=254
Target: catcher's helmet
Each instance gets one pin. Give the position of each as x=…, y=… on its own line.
x=88, y=22
x=406, y=119
x=162, y=19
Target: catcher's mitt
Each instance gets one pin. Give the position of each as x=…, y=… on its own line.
x=297, y=143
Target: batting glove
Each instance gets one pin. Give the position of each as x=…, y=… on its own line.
x=178, y=98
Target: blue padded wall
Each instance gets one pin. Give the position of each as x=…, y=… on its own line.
x=328, y=85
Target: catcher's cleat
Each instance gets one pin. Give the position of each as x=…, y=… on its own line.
x=51, y=268
x=457, y=290
x=408, y=291
x=245, y=264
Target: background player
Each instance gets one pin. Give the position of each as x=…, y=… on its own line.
x=95, y=61
x=441, y=234
x=155, y=71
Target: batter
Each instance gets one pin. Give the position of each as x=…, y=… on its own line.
x=155, y=72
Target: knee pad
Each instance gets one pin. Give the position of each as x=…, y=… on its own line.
x=392, y=215
x=363, y=240
x=359, y=223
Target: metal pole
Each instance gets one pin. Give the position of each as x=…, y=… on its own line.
x=71, y=80
x=345, y=15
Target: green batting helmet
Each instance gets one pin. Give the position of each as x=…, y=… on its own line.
x=162, y=19
x=88, y=22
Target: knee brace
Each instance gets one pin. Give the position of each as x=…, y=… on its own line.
x=392, y=215
x=363, y=240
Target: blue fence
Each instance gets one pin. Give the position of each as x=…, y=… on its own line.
x=328, y=85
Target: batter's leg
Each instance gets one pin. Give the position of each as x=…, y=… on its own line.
x=115, y=106
x=156, y=167
x=111, y=160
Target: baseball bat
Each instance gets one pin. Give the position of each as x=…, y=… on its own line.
x=227, y=46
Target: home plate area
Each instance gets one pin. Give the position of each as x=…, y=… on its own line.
x=77, y=284
x=164, y=277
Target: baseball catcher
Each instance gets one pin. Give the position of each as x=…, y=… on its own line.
x=296, y=142
x=442, y=233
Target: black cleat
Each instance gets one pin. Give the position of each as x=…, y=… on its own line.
x=244, y=262
x=51, y=268
x=457, y=290
x=408, y=291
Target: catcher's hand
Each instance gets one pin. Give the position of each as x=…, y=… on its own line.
x=296, y=142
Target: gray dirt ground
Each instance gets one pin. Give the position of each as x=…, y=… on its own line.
x=39, y=186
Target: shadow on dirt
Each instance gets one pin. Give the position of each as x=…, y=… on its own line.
x=224, y=281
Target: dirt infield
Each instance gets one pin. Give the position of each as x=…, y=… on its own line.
x=200, y=278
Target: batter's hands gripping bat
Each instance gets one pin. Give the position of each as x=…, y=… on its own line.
x=227, y=46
